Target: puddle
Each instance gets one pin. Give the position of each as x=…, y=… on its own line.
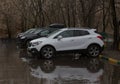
x=17, y=68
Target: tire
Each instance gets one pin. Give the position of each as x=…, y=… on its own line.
x=47, y=52
x=94, y=50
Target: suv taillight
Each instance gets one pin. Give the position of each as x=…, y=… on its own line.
x=100, y=37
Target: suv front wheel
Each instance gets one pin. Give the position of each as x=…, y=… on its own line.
x=47, y=52
x=94, y=50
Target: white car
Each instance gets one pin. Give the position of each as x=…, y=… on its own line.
x=68, y=39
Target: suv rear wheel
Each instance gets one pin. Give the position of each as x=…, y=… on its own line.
x=47, y=52
x=94, y=50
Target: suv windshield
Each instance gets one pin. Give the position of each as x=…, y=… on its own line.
x=53, y=33
x=47, y=31
x=37, y=31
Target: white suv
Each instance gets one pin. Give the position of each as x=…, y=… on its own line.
x=68, y=39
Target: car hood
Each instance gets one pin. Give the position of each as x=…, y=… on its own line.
x=39, y=39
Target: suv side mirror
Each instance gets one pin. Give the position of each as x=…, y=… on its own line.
x=59, y=37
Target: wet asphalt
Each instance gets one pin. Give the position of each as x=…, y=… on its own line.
x=18, y=67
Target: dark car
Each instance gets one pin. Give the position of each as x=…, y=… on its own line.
x=34, y=33
x=21, y=38
x=20, y=35
x=41, y=32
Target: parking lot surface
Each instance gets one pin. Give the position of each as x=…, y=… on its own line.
x=16, y=67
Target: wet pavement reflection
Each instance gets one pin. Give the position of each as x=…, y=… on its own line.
x=18, y=67
x=66, y=71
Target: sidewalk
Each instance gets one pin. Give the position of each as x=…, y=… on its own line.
x=109, y=52
x=112, y=54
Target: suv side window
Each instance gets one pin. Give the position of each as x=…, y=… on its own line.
x=80, y=33
x=67, y=33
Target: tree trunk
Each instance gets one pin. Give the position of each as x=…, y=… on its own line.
x=104, y=16
x=115, y=24
x=7, y=22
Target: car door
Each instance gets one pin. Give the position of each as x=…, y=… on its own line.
x=80, y=39
x=66, y=42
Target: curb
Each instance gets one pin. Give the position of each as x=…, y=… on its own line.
x=111, y=60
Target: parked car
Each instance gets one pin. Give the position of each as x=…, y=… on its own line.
x=40, y=32
x=34, y=33
x=68, y=39
x=25, y=37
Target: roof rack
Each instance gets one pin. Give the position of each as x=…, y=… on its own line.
x=57, y=25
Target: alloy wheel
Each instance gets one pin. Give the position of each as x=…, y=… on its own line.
x=47, y=52
x=94, y=50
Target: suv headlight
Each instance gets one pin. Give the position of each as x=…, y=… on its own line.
x=36, y=43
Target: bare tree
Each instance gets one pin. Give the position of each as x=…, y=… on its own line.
x=24, y=14
x=8, y=17
x=115, y=24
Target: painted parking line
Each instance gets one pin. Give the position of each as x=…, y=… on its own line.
x=111, y=60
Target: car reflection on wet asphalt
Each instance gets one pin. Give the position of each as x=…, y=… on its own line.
x=16, y=67
x=63, y=70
